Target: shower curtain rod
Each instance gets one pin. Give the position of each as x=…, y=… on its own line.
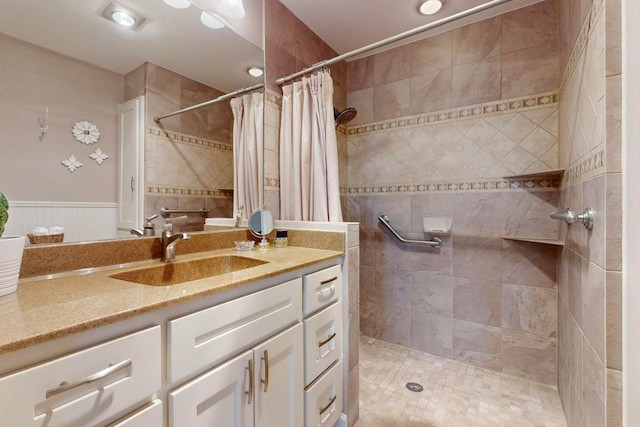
x=213, y=101
x=393, y=39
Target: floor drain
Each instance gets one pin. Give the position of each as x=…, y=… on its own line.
x=415, y=387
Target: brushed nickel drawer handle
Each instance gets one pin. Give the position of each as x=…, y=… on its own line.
x=250, y=392
x=66, y=385
x=324, y=282
x=332, y=336
x=323, y=410
x=265, y=381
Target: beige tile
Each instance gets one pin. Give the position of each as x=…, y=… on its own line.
x=430, y=333
x=594, y=197
x=353, y=396
x=529, y=264
x=392, y=100
x=431, y=293
x=529, y=356
x=477, y=301
x=455, y=394
x=575, y=285
x=476, y=82
x=393, y=287
x=431, y=54
x=594, y=387
x=518, y=160
x=477, y=257
x=530, y=26
x=135, y=83
x=392, y=65
x=613, y=123
x=431, y=91
x=163, y=81
x=614, y=398
x=531, y=309
x=437, y=205
x=531, y=70
x=499, y=145
x=593, y=306
x=477, y=344
x=354, y=276
x=613, y=13
x=354, y=334
x=477, y=42
x=388, y=323
x=477, y=214
x=360, y=74
x=539, y=142
x=526, y=214
x=614, y=319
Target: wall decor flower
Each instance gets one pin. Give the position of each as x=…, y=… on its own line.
x=98, y=156
x=86, y=132
x=72, y=163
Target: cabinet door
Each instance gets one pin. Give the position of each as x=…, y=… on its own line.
x=220, y=397
x=279, y=383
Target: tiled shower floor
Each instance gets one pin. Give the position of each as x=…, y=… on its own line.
x=455, y=393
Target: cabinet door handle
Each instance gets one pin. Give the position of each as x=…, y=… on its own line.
x=66, y=385
x=332, y=336
x=265, y=381
x=324, y=282
x=250, y=392
x=323, y=410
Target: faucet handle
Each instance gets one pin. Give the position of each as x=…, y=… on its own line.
x=168, y=225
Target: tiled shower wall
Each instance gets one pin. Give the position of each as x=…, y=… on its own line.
x=590, y=282
x=440, y=122
x=188, y=157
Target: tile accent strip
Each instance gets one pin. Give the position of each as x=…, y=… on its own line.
x=469, y=111
x=196, y=192
x=188, y=139
x=587, y=166
x=497, y=184
x=597, y=6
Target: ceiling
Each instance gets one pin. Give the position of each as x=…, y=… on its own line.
x=346, y=25
x=172, y=38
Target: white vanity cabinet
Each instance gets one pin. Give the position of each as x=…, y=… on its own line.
x=85, y=388
x=261, y=387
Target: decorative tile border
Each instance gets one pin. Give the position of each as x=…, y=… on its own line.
x=497, y=184
x=188, y=139
x=587, y=166
x=597, y=6
x=271, y=182
x=444, y=116
x=195, y=192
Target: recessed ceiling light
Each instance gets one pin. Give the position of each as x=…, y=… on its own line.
x=429, y=7
x=178, y=4
x=123, y=16
x=255, y=71
x=211, y=21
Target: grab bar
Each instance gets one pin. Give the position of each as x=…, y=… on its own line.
x=435, y=242
x=586, y=217
x=165, y=212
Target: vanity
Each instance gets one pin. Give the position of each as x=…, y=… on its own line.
x=257, y=341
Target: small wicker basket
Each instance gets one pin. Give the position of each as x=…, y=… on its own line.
x=51, y=238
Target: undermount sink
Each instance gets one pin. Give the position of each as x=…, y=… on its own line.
x=185, y=271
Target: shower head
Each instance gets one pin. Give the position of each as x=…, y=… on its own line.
x=344, y=116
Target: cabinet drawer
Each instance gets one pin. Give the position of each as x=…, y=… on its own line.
x=323, y=400
x=321, y=288
x=101, y=382
x=322, y=341
x=204, y=339
x=150, y=415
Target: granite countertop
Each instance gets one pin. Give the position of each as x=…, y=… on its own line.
x=49, y=307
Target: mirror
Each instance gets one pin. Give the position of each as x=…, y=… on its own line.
x=65, y=65
x=261, y=224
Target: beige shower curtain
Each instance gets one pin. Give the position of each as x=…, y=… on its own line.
x=309, y=188
x=248, y=142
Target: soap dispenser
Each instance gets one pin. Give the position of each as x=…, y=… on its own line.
x=149, y=227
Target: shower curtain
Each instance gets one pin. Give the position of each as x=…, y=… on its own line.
x=248, y=142
x=309, y=188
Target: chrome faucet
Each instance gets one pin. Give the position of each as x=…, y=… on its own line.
x=169, y=241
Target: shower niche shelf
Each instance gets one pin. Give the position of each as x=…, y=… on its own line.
x=556, y=173
x=544, y=241
x=552, y=175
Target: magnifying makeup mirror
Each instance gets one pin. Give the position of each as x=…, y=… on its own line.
x=261, y=224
